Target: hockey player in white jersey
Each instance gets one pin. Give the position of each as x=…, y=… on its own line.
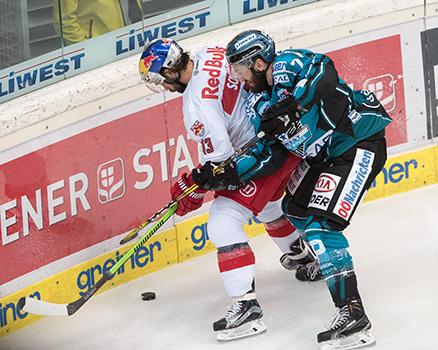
x=214, y=108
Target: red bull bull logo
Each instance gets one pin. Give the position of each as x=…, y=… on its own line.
x=198, y=129
x=147, y=61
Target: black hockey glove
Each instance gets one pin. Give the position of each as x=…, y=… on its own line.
x=226, y=179
x=280, y=118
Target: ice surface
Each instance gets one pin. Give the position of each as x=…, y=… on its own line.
x=394, y=243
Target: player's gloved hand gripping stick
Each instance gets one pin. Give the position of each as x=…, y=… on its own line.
x=280, y=119
x=134, y=233
x=40, y=307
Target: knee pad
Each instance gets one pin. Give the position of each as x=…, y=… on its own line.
x=329, y=245
x=282, y=233
x=274, y=211
x=319, y=228
x=271, y=212
x=277, y=225
x=225, y=222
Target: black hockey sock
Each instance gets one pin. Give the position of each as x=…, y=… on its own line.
x=344, y=289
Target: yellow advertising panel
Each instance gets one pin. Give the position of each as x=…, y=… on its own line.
x=405, y=172
x=66, y=286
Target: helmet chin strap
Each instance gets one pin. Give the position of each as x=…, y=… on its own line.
x=179, y=87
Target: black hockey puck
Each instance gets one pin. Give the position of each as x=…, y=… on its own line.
x=148, y=296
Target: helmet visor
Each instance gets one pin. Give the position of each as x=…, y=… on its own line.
x=242, y=71
x=245, y=56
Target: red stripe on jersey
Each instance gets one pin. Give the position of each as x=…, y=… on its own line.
x=235, y=259
x=279, y=228
x=230, y=94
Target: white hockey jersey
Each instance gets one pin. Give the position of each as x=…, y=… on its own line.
x=214, y=107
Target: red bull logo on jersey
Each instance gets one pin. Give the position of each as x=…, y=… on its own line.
x=198, y=129
x=213, y=67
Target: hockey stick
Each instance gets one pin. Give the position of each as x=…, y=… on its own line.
x=39, y=307
x=134, y=233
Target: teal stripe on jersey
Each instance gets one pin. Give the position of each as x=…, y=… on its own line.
x=312, y=88
x=375, y=115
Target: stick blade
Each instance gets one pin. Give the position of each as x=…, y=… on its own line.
x=39, y=307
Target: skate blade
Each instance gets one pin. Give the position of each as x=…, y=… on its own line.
x=246, y=330
x=358, y=340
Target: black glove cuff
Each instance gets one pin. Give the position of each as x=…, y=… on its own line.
x=226, y=179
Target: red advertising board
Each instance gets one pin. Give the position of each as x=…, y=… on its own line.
x=377, y=66
x=89, y=187
x=104, y=181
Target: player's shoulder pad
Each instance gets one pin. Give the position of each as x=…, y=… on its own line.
x=285, y=67
x=294, y=59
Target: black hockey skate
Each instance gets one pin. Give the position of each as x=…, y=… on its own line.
x=301, y=254
x=243, y=319
x=309, y=273
x=349, y=329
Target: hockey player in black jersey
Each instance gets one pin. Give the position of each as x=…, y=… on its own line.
x=339, y=133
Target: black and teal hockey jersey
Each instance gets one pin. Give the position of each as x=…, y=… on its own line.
x=333, y=117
